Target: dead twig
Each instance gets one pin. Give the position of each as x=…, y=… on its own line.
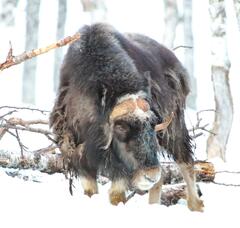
x=228, y=185
x=12, y=60
x=182, y=46
x=22, y=147
x=50, y=149
x=7, y=114
x=226, y=171
x=26, y=123
x=24, y=108
x=198, y=125
x=47, y=133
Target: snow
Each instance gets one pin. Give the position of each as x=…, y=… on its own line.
x=34, y=199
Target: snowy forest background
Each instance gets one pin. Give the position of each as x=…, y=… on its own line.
x=205, y=36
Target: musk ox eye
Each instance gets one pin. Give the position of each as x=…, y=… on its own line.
x=121, y=131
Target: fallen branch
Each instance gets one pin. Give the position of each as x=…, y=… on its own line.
x=204, y=172
x=44, y=160
x=171, y=194
x=12, y=60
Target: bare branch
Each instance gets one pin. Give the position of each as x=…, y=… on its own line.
x=181, y=46
x=35, y=130
x=198, y=126
x=24, y=108
x=25, y=123
x=2, y=132
x=50, y=149
x=228, y=185
x=22, y=147
x=12, y=60
x=226, y=171
x=7, y=114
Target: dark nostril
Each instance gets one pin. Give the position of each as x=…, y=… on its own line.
x=149, y=179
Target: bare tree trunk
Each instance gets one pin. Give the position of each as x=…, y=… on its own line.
x=31, y=42
x=171, y=20
x=62, y=10
x=216, y=144
x=96, y=8
x=237, y=9
x=188, y=52
x=7, y=16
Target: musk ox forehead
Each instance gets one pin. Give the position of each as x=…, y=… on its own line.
x=134, y=105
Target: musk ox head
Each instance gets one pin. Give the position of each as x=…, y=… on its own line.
x=135, y=142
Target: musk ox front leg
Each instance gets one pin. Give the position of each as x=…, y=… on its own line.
x=89, y=185
x=88, y=176
x=117, y=192
x=155, y=192
x=194, y=203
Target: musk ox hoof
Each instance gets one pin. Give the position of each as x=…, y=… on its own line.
x=196, y=205
x=117, y=197
x=89, y=185
x=89, y=192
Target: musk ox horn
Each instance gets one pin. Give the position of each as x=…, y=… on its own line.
x=165, y=124
x=128, y=106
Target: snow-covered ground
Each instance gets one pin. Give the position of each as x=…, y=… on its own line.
x=34, y=199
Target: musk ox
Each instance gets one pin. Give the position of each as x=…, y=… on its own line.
x=120, y=104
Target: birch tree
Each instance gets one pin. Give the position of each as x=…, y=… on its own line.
x=31, y=42
x=216, y=144
x=237, y=9
x=7, y=12
x=171, y=20
x=62, y=10
x=188, y=52
x=96, y=8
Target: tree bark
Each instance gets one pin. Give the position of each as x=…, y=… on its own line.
x=216, y=144
x=204, y=172
x=44, y=160
x=7, y=12
x=31, y=42
x=48, y=161
x=171, y=194
x=96, y=9
x=62, y=11
x=188, y=52
x=237, y=9
x=171, y=19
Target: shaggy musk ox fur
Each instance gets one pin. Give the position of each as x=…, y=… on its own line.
x=116, y=91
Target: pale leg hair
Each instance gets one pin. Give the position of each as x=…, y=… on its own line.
x=117, y=192
x=194, y=203
x=155, y=192
x=89, y=185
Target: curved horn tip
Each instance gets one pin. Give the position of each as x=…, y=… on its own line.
x=165, y=124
